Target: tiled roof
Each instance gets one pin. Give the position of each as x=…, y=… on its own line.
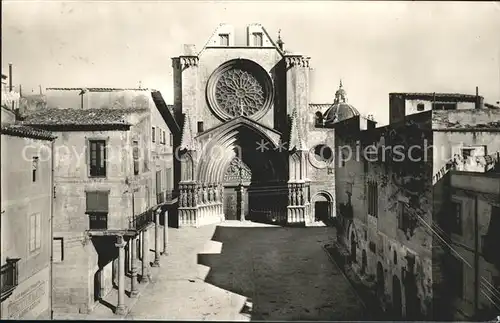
x=56, y=117
x=18, y=130
x=93, y=89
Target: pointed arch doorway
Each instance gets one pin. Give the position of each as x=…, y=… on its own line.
x=237, y=179
x=253, y=180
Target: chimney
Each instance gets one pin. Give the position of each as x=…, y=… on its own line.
x=10, y=77
x=477, y=98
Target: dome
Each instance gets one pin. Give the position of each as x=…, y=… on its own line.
x=340, y=109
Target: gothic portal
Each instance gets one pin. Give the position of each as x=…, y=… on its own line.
x=249, y=149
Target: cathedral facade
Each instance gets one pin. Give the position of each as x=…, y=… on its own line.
x=249, y=147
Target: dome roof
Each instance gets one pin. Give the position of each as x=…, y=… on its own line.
x=340, y=109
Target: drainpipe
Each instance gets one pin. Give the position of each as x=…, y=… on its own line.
x=476, y=257
x=52, y=197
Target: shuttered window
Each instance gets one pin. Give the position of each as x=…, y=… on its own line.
x=97, y=157
x=97, y=201
x=35, y=232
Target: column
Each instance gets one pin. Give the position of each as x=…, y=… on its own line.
x=165, y=233
x=120, y=308
x=145, y=258
x=156, y=262
x=242, y=203
x=133, y=283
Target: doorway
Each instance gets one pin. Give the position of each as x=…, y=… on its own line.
x=231, y=203
x=380, y=281
x=353, y=248
x=397, y=304
x=322, y=207
x=364, y=262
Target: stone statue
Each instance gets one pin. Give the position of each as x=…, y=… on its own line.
x=294, y=195
x=221, y=193
x=183, y=196
x=196, y=195
x=210, y=193
x=189, y=196
x=301, y=196
x=205, y=193
x=200, y=194
x=216, y=193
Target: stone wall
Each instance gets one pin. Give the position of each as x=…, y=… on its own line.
x=22, y=198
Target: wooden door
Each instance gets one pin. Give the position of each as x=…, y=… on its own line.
x=230, y=203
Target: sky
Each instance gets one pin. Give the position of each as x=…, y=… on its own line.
x=375, y=47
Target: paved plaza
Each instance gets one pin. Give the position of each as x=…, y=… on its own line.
x=248, y=272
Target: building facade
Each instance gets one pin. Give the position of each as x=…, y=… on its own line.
x=247, y=144
x=391, y=194
x=110, y=170
x=26, y=216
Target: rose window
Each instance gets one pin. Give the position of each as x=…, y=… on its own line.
x=239, y=93
x=240, y=88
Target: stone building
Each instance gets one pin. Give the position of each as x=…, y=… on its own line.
x=247, y=143
x=390, y=192
x=111, y=166
x=26, y=215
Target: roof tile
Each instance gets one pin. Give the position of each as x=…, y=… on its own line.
x=18, y=130
x=52, y=116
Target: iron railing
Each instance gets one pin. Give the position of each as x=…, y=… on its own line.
x=141, y=220
x=9, y=278
x=98, y=221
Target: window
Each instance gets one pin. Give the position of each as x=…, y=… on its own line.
x=171, y=139
x=444, y=106
x=257, y=39
x=97, y=158
x=420, y=107
x=164, y=140
x=34, y=168
x=200, y=126
x=159, y=192
x=403, y=216
x=135, y=156
x=58, y=250
x=35, y=232
x=153, y=134
x=456, y=219
x=372, y=198
x=224, y=39
x=97, y=209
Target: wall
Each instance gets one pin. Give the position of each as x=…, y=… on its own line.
x=463, y=184
x=73, y=288
x=20, y=198
x=396, y=181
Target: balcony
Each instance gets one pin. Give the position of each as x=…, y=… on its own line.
x=9, y=278
x=138, y=222
x=98, y=221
